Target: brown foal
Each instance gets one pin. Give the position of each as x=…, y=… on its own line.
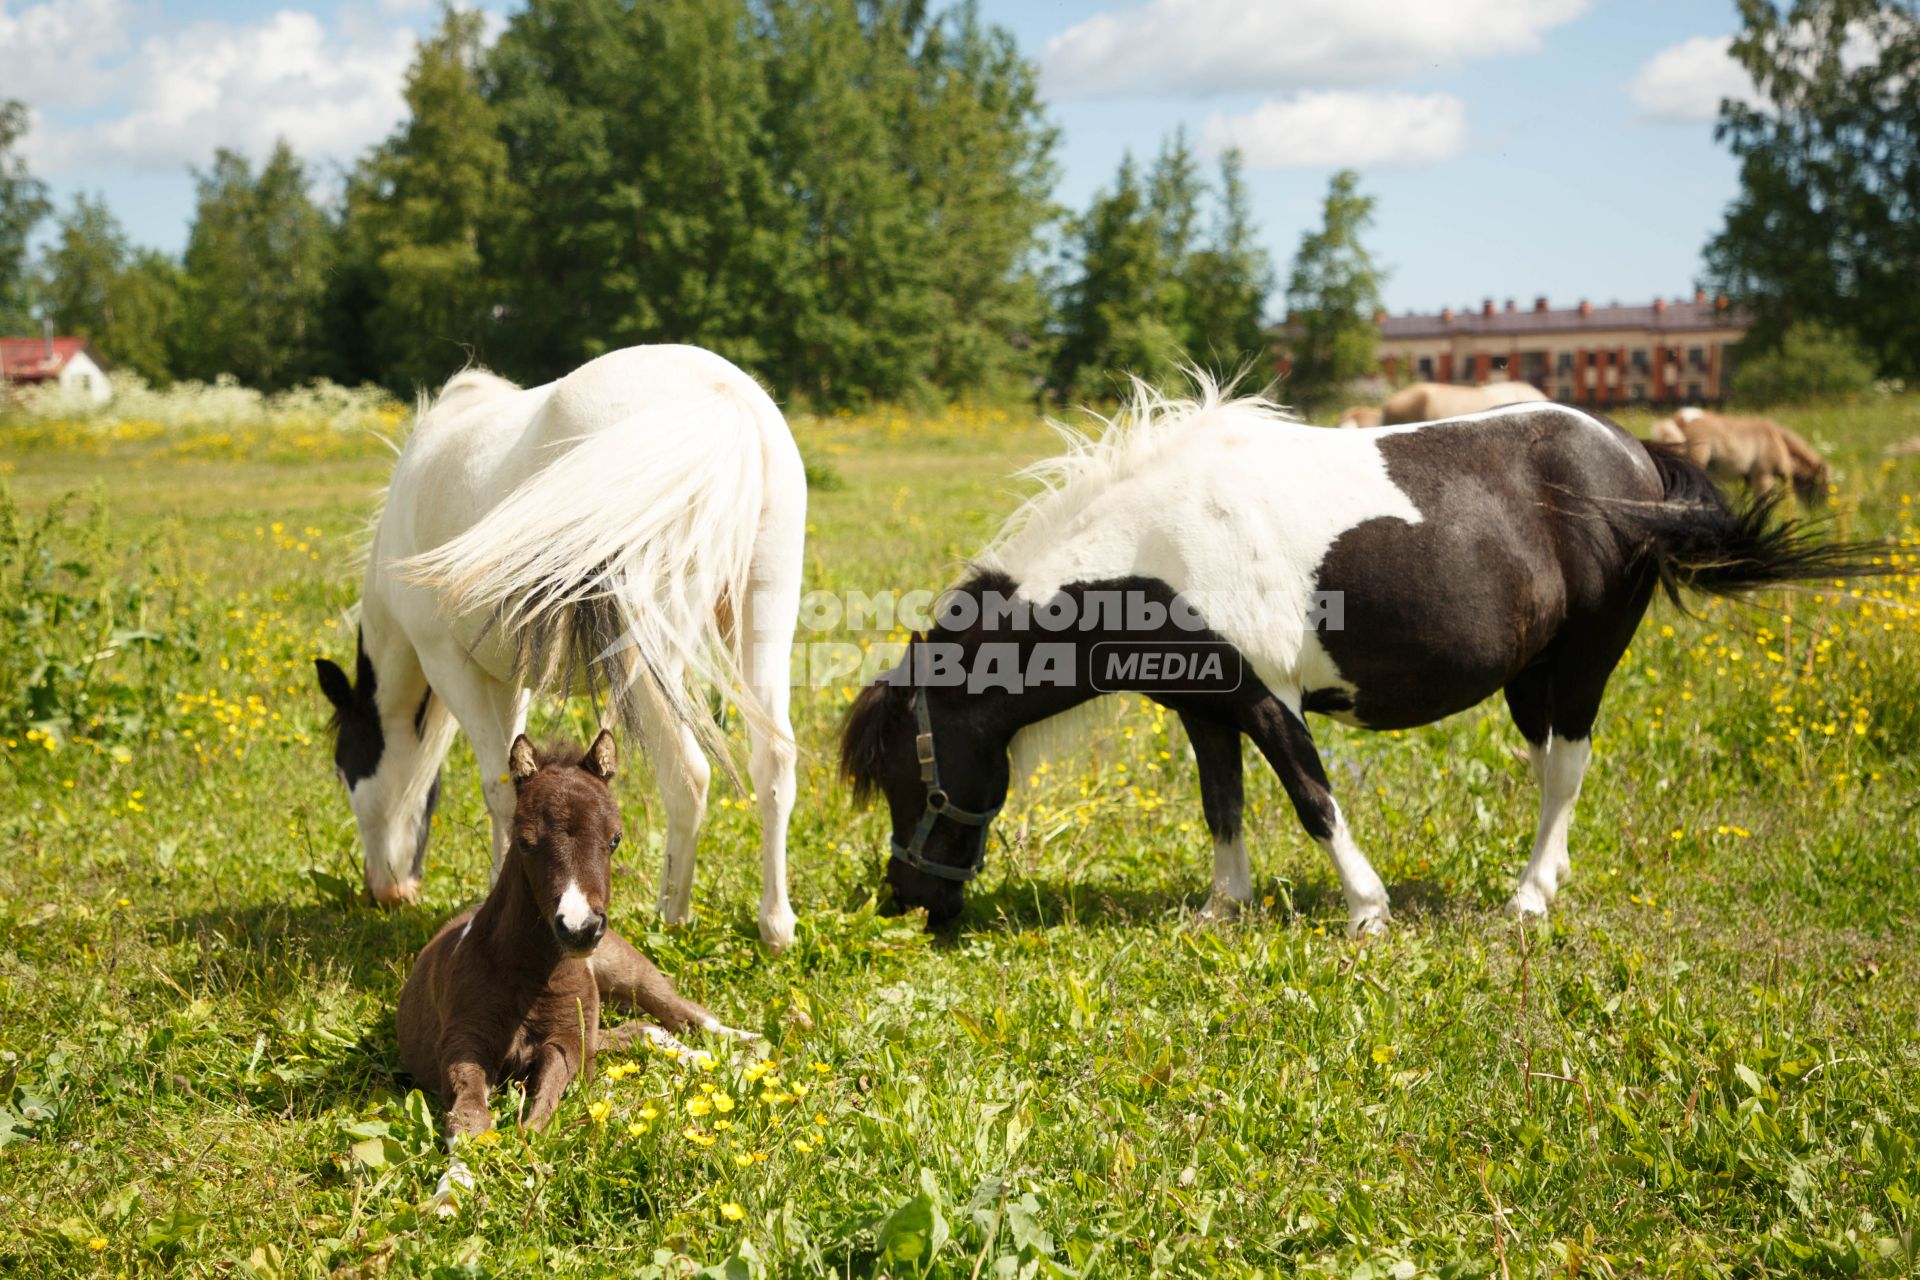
x=511, y=989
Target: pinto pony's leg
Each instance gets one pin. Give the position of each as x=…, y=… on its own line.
x=1555, y=706
x=1283, y=739
x=1216, y=750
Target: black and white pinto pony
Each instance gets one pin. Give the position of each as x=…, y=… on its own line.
x=1512, y=550
x=639, y=522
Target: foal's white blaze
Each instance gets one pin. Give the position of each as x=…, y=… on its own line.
x=574, y=913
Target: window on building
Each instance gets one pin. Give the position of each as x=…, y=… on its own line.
x=1640, y=364
x=1426, y=368
x=1693, y=391
x=1499, y=363
x=1565, y=363
x=1697, y=357
x=1638, y=391
x=1563, y=392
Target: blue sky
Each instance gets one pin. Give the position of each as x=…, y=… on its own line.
x=1516, y=147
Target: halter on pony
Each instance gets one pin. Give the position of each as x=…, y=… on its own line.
x=938, y=806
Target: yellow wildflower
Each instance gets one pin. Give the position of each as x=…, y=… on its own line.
x=732, y=1212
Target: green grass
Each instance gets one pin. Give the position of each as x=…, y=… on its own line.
x=1704, y=1065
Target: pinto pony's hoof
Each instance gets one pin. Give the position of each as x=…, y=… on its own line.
x=1221, y=908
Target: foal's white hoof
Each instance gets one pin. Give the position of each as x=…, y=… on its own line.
x=445, y=1202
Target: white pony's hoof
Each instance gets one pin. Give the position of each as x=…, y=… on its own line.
x=777, y=931
x=1370, y=922
x=1527, y=903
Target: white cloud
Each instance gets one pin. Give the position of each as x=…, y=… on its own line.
x=1325, y=128
x=1684, y=83
x=216, y=84
x=50, y=53
x=1205, y=47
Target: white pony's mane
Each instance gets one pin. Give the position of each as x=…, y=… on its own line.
x=471, y=383
x=1130, y=442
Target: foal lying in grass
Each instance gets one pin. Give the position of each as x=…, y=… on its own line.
x=511, y=989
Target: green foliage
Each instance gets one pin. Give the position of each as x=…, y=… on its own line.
x=1119, y=314
x=87, y=651
x=126, y=301
x=255, y=279
x=1332, y=296
x=1228, y=282
x=419, y=211
x=23, y=202
x=1812, y=362
x=1147, y=295
x=1826, y=226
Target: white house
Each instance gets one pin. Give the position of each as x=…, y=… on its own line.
x=71, y=363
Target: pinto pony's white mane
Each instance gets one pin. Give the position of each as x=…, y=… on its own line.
x=1131, y=442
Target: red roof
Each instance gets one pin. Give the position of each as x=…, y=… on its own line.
x=26, y=359
x=1678, y=315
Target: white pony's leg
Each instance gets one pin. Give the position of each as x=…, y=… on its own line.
x=1559, y=768
x=493, y=715
x=772, y=611
x=682, y=771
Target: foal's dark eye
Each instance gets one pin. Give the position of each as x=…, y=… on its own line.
x=615, y=842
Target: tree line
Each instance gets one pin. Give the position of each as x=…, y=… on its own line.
x=851, y=198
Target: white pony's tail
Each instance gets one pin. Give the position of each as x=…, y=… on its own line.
x=626, y=558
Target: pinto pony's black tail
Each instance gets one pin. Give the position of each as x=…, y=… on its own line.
x=1699, y=541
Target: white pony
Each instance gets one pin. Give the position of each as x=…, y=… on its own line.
x=641, y=522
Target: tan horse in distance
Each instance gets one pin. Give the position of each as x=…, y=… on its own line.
x=1756, y=450
x=1431, y=401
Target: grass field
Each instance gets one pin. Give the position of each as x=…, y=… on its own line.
x=1705, y=1064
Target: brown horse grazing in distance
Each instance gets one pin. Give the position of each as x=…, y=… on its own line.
x=1432, y=401
x=1756, y=450
x=511, y=989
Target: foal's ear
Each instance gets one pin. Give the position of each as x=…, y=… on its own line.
x=601, y=759
x=334, y=683
x=522, y=763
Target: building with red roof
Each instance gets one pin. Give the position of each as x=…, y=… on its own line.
x=71, y=363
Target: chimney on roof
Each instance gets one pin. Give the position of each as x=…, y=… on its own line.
x=1486, y=307
x=1380, y=316
x=1699, y=297
x=1586, y=308
x=1659, y=306
x=1540, y=303
x=1720, y=303
x=1509, y=304
x=1446, y=315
